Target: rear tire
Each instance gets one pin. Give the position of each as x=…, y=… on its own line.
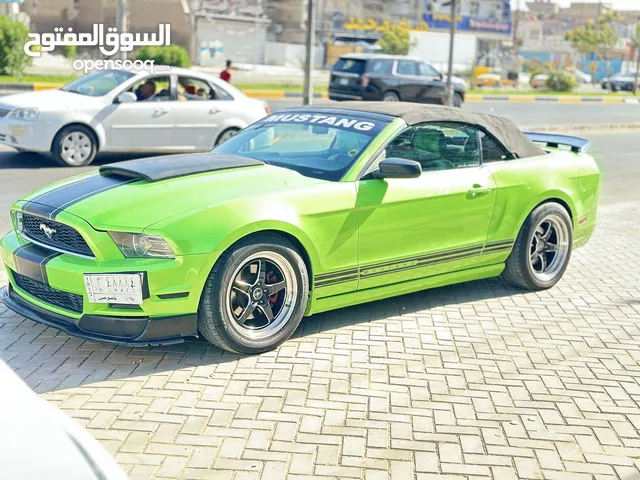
x=390, y=97
x=74, y=146
x=457, y=100
x=542, y=250
x=237, y=312
x=226, y=135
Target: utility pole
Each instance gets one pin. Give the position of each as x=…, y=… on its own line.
x=516, y=23
x=309, y=57
x=452, y=36
x=121, y=12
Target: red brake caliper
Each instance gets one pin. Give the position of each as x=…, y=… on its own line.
x=272, y=278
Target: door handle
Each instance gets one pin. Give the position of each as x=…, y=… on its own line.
x=163, y=110
x=213, y=111
x=479, y=190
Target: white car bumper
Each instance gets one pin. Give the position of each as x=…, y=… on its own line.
x=34, y=136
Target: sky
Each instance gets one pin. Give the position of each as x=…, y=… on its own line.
x=617, y=4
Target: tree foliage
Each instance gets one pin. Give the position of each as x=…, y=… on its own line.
x=172, y=55
x=561, y=81
x=395, y=39
x=13, y=36
x=597, y=37
x=69, y=51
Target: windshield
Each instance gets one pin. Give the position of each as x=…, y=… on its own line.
x=98, y=83
x=317, y=145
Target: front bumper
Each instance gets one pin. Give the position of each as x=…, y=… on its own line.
x=132, y=331
x=33, y=136
x=167, y=314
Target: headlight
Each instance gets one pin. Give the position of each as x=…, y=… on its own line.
x=140, y=245
x=25, y=114
x=17, y=220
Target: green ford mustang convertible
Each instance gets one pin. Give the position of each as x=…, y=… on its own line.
x=307, y=210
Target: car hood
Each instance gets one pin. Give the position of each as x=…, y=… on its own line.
x=46, y=100
x=119, y=199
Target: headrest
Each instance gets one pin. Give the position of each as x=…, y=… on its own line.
x=428, y=140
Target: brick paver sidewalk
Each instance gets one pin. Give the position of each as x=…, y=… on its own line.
x=472, y=381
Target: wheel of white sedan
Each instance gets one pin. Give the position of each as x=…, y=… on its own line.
x=74, y=146
x=255, y=296
x=542, y=250
x=226, y=135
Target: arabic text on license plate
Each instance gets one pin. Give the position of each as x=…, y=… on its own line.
x=344, y=81
x=114, y=288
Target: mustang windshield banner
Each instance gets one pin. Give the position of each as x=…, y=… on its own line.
x=342, y=122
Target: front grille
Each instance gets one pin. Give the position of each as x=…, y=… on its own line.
x=68, y=301
x=4, y=112
x=63, y=237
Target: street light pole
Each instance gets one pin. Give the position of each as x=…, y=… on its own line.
x=122, y=23
x=452, y=36
x=309, y=57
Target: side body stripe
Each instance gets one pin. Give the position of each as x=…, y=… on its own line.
x=410, y=263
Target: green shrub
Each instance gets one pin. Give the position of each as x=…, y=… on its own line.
x=13, y=36
x=561, y=81
x=172, y=55
x=69, y=51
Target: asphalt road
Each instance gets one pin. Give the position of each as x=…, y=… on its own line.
x=538, y=113
x=616, y=152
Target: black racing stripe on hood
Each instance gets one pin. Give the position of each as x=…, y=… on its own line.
x=54, y=201
x=31, y=260
x=155, y=169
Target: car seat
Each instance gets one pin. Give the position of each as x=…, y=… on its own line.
x=346, y=145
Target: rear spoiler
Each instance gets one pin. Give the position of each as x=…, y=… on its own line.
x=577, y=144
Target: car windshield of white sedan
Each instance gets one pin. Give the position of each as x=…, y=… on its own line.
x=316, y=145
x=98, y=83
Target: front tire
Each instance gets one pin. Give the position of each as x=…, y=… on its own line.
x=255, y=296
x=542, y=250
x=74, y=146
x=457, y=100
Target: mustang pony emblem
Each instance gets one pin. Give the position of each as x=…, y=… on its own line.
x=47, y=230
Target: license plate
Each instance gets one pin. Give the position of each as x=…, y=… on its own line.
x=344, y=81
x=17, y=130
x=114, y=288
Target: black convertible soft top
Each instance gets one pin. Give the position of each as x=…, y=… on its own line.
x=504, y=130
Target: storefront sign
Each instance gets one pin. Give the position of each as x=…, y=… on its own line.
x=479, y=16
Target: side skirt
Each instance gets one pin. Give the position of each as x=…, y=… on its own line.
x=387, y=291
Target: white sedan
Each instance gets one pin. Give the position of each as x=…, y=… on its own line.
x=174, y=110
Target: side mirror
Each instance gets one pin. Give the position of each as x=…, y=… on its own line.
x=441, y=76
x=126, y=97
x=397, y=168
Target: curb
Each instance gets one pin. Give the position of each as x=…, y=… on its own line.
x=550, y=99
x=586, y=127
x=281, y=94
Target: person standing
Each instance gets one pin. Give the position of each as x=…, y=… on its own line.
x=226, y=73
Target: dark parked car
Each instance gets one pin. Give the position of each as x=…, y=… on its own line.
x=391, y=78
x=619, y=82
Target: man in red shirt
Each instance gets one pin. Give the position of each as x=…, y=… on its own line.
x=226, y=73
